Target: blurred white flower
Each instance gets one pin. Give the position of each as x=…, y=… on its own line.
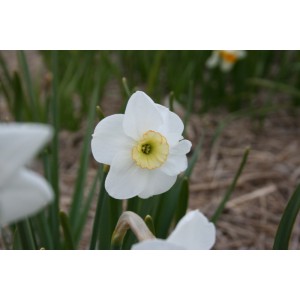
x=225, y=58
x=193, y=232
x=144, y=148
x=22, y=192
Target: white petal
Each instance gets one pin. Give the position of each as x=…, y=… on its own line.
x=177, y=161
x=226, y=66
x=24, y=195
x=125, y=179
x=183, y=147
x=241, y=53
x=157, y=183
x=19, y=144
x=141, y=115
x=213, y=60
x=172, y=126
x=194, y=232
x=109, y=138
x=155, y=244
x=174, y=165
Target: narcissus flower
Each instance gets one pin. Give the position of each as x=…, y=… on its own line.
x=225, y=58
x=193, y=232
x=22, y=192
x=144, y=148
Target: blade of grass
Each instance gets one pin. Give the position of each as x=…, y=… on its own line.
x=183, y=200
x=84, y=160
x=64, y=221
x=25, y=235
x=169, y=201
x=276, y=86
x=154, y=71
x=5, y=70
x=115, y=211
x=29, y=86
x=101, y=199
x=194, y=158
x=44, y=231
x=19, y=100
x=166, y=210
x=55, y=153
x=231, y=188
x=126, y=88
x=17, y=245
x=84, y=214
x=171, y=101
x=287, y=221
x=104, y=227
x=190, y=103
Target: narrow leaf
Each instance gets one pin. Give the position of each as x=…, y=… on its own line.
x=287, y=221
x=64, y=221
x=183, y=200
x=230, y=189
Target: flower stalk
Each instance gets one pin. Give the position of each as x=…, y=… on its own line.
x=65, y=224
x=102, y=193
x=130, y=220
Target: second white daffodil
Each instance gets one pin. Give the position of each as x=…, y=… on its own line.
x=193, y=232
x=144, y=148
x=225, y=58
x=22, y=192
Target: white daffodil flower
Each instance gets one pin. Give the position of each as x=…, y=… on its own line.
x=22, y=192
x=144, y=148
x=193, y=232
x=225, y=58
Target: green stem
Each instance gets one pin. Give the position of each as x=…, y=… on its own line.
x=26, y=235
x=96, y=226
x=55, y=154
x=28, y=82
x=65, y=224
x=220, y=208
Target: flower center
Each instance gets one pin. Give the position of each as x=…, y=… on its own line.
x=151, y=151
x=146, y=148
x=228, y=56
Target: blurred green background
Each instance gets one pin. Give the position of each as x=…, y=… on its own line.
x=158, y=73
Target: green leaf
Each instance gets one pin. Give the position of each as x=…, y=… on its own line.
x=85, y=210
x=168, y=202
x=101, y=200
x=65, y=224
x=154, y=71
x=194, y=158
x=19, y=100
x=28, y=82
x=230, y=189
x=287, y=221
x=276, y=86
x=43, y=230
x=190, y=104
x=54, y=171
x=85, y=154
x=166, y=209
x=183, y=200
x=26, y=235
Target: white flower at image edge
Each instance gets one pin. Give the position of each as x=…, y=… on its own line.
x=193, y=232
x=22, y=192
x=144, y=148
